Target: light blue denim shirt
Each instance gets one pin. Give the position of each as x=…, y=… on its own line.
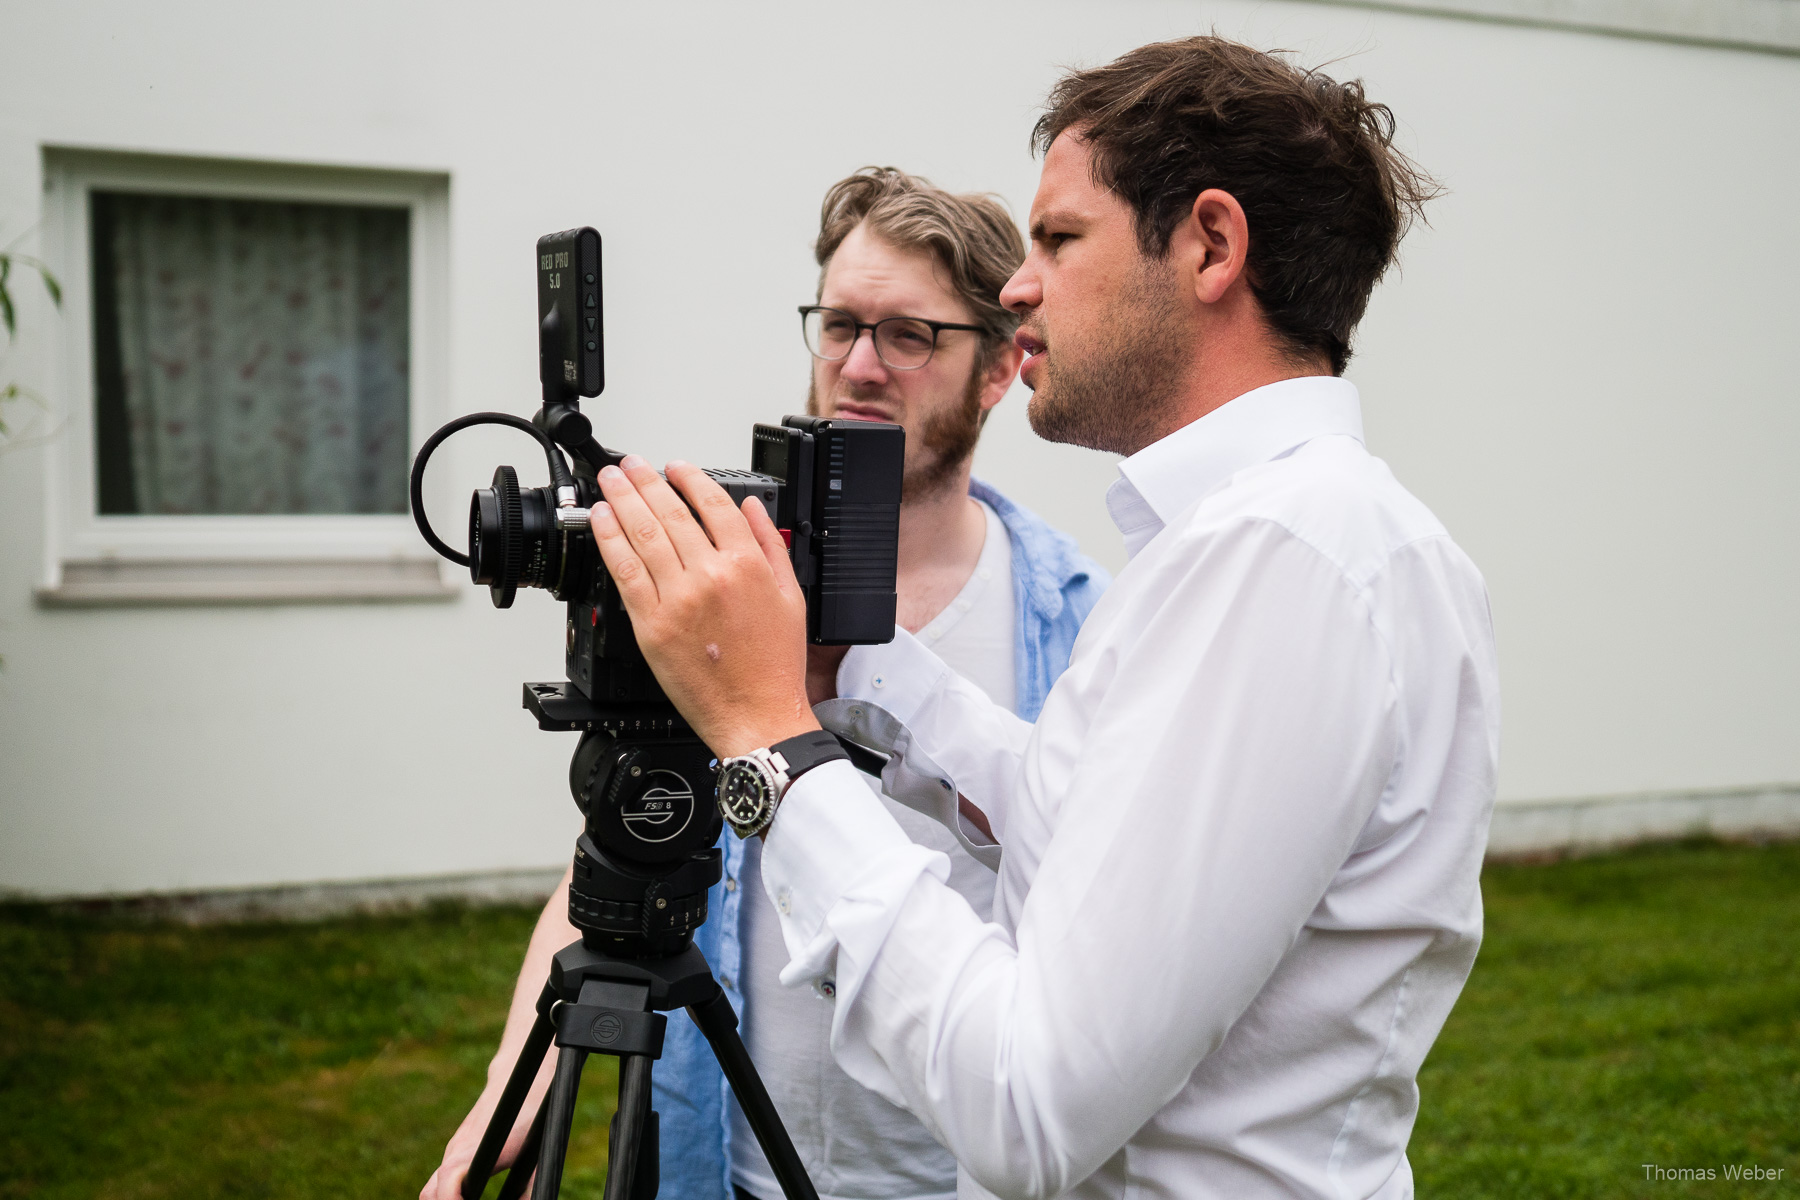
x=1054, y=588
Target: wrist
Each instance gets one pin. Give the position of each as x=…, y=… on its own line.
x=762, y=734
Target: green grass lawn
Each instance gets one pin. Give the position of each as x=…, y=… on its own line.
x=1630, y=1009
x=319, y=1060
x=1636, y=1008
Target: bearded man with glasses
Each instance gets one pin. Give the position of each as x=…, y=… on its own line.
x=907, y=327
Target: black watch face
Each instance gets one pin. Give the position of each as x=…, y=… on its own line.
x=743, y=793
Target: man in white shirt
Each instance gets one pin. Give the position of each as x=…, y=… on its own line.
x=1239, y=887
x=986, y=584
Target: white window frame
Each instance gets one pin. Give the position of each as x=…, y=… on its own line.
x=81, y=540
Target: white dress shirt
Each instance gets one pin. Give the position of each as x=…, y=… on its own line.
x=852, y=1141
x=1238, y=892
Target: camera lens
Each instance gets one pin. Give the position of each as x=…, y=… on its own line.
x=513, y=541
x=497, y=537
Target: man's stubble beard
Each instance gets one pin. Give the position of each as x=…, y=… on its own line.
x=1117, y=394
x=946, y=439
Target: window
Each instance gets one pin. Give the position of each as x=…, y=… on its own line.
x=249, y=355
x=249, y=349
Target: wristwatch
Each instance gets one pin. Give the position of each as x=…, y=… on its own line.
x=751, y=785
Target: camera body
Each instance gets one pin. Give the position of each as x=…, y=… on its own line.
x=832, y=488
x=644, y=783
x=833, y=491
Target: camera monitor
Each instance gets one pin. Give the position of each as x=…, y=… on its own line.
x=572, y=343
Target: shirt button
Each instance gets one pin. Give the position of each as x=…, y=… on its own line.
x=730, y=883
x=828, y=988
x=963, y=605
x=724, y=981
x=782, y=902
x=880, y=681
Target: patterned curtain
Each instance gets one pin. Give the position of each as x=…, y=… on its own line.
x=261, y=354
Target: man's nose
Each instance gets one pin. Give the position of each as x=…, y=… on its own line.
x=1024, y=291
x=862, y=364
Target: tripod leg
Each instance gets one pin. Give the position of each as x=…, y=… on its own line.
x=516, y=1179
x=629, y=1126
x=559, y=1109
x=719, y=1024
x=524, y=1071
x=648, y=1179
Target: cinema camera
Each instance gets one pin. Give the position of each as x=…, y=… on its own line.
x=645, y=784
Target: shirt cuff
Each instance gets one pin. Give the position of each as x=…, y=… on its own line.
x=900, y=676
x=829, y=836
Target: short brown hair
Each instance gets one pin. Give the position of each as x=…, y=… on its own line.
x=1311, y=160
x=972, y=236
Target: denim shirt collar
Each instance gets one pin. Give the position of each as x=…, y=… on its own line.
x=1045, y=561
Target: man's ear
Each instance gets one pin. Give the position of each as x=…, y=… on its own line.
x=1211, y=244
x=998, y=377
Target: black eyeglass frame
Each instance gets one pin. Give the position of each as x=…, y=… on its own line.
x=936, y=327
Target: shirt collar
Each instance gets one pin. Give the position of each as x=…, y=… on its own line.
x=1159, y=482
x=1046, y=562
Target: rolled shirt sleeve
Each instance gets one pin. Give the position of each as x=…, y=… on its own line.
x=980, y=744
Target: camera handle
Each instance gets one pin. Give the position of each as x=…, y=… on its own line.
x=558, y=423
x=595, y=1003
x=559, y=470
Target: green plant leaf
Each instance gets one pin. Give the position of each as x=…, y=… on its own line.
x=16, y=391
x=8, y=316
x=51, y=283
x=6, y=304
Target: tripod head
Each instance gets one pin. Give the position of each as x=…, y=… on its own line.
x=647, y=852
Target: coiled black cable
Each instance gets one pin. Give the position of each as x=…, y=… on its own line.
x=559, y=470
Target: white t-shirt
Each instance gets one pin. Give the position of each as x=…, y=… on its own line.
x=856, y=1145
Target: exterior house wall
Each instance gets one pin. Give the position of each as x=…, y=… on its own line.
x=1582, y=367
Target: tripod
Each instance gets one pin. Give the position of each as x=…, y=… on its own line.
x=598, y=1002
x=595, y=1003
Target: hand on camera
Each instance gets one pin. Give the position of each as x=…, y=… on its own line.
x=714, y=604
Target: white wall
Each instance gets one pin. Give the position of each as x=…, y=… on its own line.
x=1582, y=369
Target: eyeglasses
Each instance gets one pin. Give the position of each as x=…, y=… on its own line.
x=901, y=343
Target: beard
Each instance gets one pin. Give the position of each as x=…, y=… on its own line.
x=941, y=445
x=1115, y=392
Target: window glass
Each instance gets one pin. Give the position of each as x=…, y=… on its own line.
x=250, y=356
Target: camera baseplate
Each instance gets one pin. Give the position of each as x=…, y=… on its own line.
x=562, y=707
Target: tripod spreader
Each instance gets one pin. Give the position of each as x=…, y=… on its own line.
x=595, y=1003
